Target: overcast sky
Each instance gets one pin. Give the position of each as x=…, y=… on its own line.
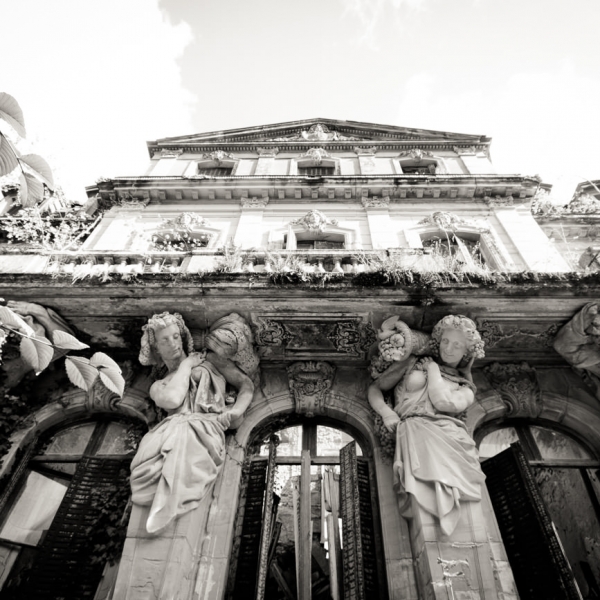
x=97, y=79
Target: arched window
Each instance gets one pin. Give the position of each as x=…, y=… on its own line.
x=62, y=515
x=543, y=483
x=306, y=515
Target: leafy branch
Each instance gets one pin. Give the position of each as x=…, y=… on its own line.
x=38, y=352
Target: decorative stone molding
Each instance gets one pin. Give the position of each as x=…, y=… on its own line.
x=254, y=202
x=352, y=337
x=271, y=333
x=317, y=133
x=499, y=201
x=126, y=200
x=518, y=387
x=165, y=153
x=309, y=383
x=370, y=151
x=314, y=220
x=184, y=222
x=218, y=156
x=584, y=204
x=376, y=202
x=493, y=333
x=267, y=152
x=416, y=154
x=469, y=150
x=450, y=222
x=316, y=155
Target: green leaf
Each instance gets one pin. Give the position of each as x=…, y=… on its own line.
x=65, y=341
x=8, y=156
x=12, y=319
x=113, y=380
x=101, y=360
x=80, y=372
x=37, y=352
x=11, y=112
x=35, y=165
x=32, y=190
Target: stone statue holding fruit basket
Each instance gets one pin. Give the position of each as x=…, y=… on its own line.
x=436, y=460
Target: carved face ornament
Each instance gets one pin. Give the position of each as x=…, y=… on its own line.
x=453, y=346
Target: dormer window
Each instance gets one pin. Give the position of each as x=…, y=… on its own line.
x=321, y=171
x=418, y=168
x=215, y=171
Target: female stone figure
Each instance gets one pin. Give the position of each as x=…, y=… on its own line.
x=180, y=458
x=436, y=460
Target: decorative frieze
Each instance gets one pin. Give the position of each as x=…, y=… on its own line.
x=363, y=151
x=446, y=221
x=518, y=387
x=310, y=382
x=494, y=333
x=166, y=153
x=314, y=220
x=466, y=151
x=316, y=155
x=254, y=202
x=499, y=201
x=317, y=133
x=415, y=154
x=267, y=152
x=375, y=202
x=269, y=332
x=184, y=222
x=352, y=337
x=218, y=156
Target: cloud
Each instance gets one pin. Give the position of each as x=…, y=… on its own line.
x=370, y=12
x=95, y=81
x=542, y=123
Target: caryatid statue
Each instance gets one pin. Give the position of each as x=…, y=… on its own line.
x=179, y=459
x=436, y=460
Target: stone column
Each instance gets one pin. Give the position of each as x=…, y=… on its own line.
x=475, y=545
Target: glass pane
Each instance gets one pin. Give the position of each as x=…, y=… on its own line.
x=553, y=444
x=116, y=440
x=330, y=441
x=68, y=468
x=497, y=441
x=34, y=510
x=72, y=441
x=290, y=443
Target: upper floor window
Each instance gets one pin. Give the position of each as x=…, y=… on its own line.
x=317, y=241
x=419, y=169
x=451, y=250
x=215, y=171
x=320, y=171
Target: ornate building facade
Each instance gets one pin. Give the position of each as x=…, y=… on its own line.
x=313, y=260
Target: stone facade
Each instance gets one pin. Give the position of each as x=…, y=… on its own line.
x=315, y=233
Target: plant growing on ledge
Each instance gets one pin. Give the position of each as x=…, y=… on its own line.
x=38, y=352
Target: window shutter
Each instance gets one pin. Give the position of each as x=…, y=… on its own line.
x=248, y=553
x=534, y=552
x=65, y=567
x=359, y=546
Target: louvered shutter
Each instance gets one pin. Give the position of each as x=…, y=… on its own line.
x=65, y=568
x=249, y=548
x=538, y=563
x=359, y=554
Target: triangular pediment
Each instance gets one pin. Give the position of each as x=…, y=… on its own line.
x=321, y=131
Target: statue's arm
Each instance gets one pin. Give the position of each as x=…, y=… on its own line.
x=170, y=392
x=442, y=396
x=238, y=379
x=386, y=381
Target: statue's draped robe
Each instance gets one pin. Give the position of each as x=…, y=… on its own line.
x=179, y=459
x=436, y=460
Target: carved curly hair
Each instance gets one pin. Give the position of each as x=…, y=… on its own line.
x=461, y=323
x=148, y=352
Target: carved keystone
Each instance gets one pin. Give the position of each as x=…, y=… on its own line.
x=310, y=382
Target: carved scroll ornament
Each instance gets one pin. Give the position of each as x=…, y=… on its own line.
x=518, y=387
x=314, y=220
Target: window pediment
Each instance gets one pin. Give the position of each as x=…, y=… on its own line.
x=187, y=231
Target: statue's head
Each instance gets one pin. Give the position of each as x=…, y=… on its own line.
x=454, y=338
x=164, y=335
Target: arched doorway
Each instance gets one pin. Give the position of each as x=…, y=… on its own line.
x=308, y=524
